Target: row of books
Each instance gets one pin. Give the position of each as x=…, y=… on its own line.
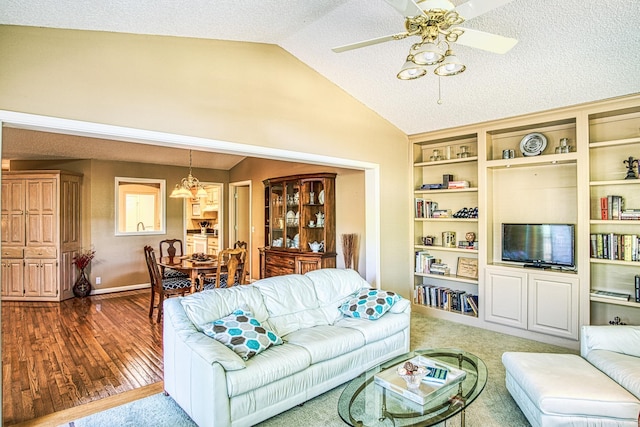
x=612, y=207
x=621, y=247
x=424, y=208
x=426, y=263
x=446, y=299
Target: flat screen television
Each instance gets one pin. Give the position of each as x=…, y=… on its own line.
x=539, y=245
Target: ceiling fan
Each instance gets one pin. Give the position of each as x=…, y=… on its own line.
x=436, y=23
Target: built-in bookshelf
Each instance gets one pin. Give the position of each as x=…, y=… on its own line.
x=614, y=141
x=585, y=160
x=445, y=176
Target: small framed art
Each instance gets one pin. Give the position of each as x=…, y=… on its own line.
x=467, y=267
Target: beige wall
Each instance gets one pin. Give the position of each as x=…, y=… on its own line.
x=194, y=87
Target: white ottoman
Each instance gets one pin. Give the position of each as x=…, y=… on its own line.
x=566, y=390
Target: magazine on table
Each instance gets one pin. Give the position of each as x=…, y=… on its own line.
x=439, y=378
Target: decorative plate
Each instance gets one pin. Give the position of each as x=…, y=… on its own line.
x=321, y=197
x=533, y=144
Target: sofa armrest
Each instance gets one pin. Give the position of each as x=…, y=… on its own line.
x=618, y=338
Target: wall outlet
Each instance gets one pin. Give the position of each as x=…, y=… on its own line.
x=98, y=280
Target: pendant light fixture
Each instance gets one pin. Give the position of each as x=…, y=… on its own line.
x=189, y=187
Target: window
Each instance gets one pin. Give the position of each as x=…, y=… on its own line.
x=140, y=206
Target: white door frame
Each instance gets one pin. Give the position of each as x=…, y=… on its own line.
x=233, y=216
x=142, y=136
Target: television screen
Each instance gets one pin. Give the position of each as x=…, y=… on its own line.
x=539, y=244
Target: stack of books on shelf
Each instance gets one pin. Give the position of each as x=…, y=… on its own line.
x=453, y=185
x=612, y=246
x=446, y=299
x=612, y=207
x=610, y=295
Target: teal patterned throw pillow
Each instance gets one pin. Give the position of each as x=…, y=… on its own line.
x=242, y=333
x=369, y=304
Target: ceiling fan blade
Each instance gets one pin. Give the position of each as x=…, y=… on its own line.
x=474, y=8
x=405, y=7
x=369, y=42
x=485, y=41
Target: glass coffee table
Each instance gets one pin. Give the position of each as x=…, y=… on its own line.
x=364, y=403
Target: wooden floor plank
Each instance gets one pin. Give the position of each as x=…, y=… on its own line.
x=70, y=356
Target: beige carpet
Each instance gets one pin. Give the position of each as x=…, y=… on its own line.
x=494, y=407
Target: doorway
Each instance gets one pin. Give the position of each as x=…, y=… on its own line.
x=240, y=228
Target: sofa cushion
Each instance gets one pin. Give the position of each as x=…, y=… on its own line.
x=623, y=339
x=206, y=306
x=242, y=333
x=382, y=328
x=291, y=303
x=622, y=368
x=269, y=366
x=369, y=304
x=326, y=341
x=333, y=286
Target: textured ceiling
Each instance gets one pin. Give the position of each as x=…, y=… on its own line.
x=35, y=145
x=569, y=51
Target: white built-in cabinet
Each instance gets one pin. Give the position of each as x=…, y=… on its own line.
x=40, y=234
x=553, y=187
x=537, y=301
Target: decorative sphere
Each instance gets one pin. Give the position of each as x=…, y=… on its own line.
x=470, y=237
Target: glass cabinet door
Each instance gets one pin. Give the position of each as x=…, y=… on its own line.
x=292, y=218
x=277, y=211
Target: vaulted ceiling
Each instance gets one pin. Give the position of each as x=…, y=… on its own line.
x=568, y=52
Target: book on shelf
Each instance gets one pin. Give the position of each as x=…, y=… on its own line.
x=611, y=207
x=441, y=213
x=391, y=380
x=447, y=299
x=431, y=187
x=637, y=283
x=604, y=208
x=424, y=260
x=458, y=184
x=612, y=246
x=610, y=295
x=423, y=208
x=630, y=214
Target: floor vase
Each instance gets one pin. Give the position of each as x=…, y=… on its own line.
x=82, y=287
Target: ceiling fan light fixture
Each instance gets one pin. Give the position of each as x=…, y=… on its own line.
x=410, y=70
x=428, y=53
x=450, y=66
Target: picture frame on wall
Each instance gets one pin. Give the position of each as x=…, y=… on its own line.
x=195, y=209
x=467, y=267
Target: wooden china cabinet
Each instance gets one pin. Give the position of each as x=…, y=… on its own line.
x=299, y=214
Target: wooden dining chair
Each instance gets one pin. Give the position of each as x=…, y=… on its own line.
x=230, y=262
x=172, y=248
x=164, y=287
x=243, y=245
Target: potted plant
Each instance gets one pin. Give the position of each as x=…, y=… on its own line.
x=82, y=287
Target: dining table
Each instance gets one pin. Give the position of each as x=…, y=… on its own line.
x=196, y=269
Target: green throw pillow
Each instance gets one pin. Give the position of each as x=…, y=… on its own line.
x=369, y=304
x=242, y=333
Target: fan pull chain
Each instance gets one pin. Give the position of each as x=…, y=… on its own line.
x=439, y=92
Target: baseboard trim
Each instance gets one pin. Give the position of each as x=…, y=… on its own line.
x=120, y=289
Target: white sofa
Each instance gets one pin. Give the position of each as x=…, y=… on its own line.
x=601, y=387
x=322, y=348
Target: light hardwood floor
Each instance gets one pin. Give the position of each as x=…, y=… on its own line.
x=75, y=355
